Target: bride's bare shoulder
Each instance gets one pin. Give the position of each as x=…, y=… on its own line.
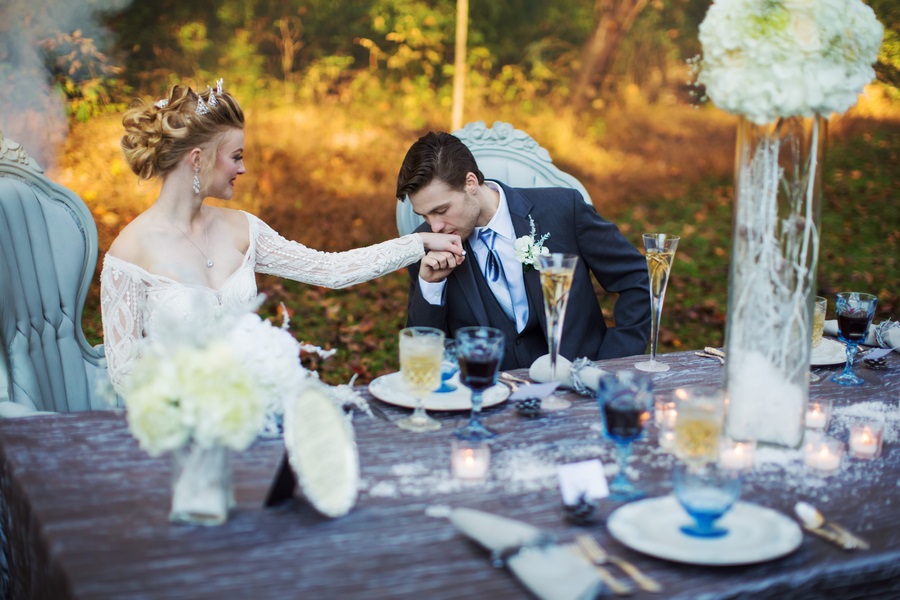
x=132, y=243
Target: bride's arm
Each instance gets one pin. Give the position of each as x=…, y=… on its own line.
x=278, y=256
x=122, y=298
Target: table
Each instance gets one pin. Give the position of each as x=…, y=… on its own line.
x=85, y=511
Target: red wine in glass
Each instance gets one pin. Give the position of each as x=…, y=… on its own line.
x=854, y=312
x=624, y=421
x=478, y=372
x=479, y=350
x=853, y=327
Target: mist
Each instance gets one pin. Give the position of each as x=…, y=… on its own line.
x=32, y=109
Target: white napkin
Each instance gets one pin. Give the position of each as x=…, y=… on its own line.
x=551, y=572
x=892, y=336
x=588, y=375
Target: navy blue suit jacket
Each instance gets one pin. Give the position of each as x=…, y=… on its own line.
x=575, y=228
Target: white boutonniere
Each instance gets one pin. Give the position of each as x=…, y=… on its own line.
x=528, y=248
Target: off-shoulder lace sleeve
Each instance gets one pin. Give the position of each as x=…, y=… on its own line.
x=122, y=301
x=278, y=256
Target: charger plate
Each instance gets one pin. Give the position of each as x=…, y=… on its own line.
x=391, y=389
x=755, y=533
x=828, y=352
x=322, y=451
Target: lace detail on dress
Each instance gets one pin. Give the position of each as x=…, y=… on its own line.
x=278, y=256
x=132, y=299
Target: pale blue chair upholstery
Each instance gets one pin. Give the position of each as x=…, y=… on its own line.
x=506, y=154
x=48, y=253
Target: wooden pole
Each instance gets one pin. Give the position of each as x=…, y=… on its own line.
x=459, y=63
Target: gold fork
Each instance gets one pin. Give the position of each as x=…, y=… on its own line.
x=597, y=555
x=619, y=588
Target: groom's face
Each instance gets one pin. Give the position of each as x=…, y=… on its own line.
x=446, y=210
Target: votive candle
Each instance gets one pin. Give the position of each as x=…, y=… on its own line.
x=823, y=454
x=737, y=454
x=818, y=414
x=866, y=440
x=470, y=460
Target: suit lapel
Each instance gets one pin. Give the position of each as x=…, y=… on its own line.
x=519, y=209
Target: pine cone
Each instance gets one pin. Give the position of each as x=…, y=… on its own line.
x=529, y=407
x=878, y=364
x=580, y=513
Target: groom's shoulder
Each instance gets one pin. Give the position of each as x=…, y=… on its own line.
x=550, y=194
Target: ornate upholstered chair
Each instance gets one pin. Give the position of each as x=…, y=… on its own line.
x=506, y=154
x=48, y=252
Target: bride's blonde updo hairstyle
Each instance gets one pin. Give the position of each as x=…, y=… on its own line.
x=158, y=135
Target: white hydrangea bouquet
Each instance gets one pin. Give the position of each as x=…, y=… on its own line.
x=765, y=59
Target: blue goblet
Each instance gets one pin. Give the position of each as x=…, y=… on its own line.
x=480, y=350
x=624, y=399
x=706, y=493
x=449, y=367
x=854, y=315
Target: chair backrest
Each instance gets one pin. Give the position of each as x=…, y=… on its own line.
x=48, y=253
x=506, y=154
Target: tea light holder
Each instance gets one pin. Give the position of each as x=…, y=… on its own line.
x=866, y=440
x=664, y=412
x=823, y=454
x=470, y=460
x=818, y=414
x=736, y=454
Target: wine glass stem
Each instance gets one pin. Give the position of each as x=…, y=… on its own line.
x=475, y=416
x=623, y=451
x=419, y=413
x=851, y=355
x=554, y=330
x=656, y=304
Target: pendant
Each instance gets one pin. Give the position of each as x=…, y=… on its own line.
x=209, y=263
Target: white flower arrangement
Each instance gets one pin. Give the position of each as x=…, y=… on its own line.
x=212, y=388
x=765, y=59
x=528, y=248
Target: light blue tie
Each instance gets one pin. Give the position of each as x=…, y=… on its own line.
x=493, y=270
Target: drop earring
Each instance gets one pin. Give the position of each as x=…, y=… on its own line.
x=196, y=180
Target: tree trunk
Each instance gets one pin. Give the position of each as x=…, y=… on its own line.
x=614, y=19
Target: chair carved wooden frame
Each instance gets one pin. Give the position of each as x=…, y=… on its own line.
x=505, y=154
x=48, y=253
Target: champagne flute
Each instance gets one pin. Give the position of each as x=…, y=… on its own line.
x=624, y=399
x=854, y=315
x=660, y=250
x=480, y=350
x=557, y=274
x=421, y=350
x=698, y=425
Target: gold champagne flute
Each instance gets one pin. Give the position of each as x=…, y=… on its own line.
x=660, y=249
x=557, y=274
x=421, y=354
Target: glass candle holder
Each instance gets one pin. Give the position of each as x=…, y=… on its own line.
x=736, y=454
x=823, y=454
x=818, y=414
x=866, y=440
x=470, y=459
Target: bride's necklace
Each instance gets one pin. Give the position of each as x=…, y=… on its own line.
x=209, y=261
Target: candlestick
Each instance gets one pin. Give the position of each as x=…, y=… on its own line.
x=866, y=440
x=736, y=454
x=470, y=460
x=818, y=414
x=823, y=454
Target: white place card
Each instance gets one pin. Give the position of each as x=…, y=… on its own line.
x=582, y=478
x=534, y=390
x=878, y=353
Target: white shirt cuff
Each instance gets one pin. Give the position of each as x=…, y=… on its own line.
x=432, y=292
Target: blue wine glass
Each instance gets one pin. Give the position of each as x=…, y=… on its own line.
x=449, y=367
x=854, y=315
x=706, y=493
x=480, y=350
x=624, y=399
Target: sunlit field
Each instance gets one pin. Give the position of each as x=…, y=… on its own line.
x=325, y=175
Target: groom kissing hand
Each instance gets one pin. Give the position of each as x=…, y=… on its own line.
x=441, y=179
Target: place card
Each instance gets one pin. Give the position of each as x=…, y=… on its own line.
x=535, y=390
x=878, y=353
x=583, y=478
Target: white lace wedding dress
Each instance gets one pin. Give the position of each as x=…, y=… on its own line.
x=132, y=299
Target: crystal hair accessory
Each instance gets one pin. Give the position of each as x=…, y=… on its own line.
x=162, y=103
x=219, y=83
x=202, y=107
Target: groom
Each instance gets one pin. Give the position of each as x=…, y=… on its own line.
x=441, y=179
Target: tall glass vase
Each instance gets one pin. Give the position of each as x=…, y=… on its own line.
x=202, y=490
x=772, y=284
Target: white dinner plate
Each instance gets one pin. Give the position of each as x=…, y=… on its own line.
x=755, y=534
x=828, y=352
x=391, y=389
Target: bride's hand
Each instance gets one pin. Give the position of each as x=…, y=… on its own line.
x=443, y=242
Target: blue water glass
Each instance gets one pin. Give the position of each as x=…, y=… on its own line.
x=706, y=494
x=624, y=399
x=480, y=351
x=449, y=367
x=854, y=315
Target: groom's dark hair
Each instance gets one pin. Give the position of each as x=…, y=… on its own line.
x=436, y=155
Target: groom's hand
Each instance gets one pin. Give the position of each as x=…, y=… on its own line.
x=436, y=266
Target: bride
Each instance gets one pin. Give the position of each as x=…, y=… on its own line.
x=183, y=258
